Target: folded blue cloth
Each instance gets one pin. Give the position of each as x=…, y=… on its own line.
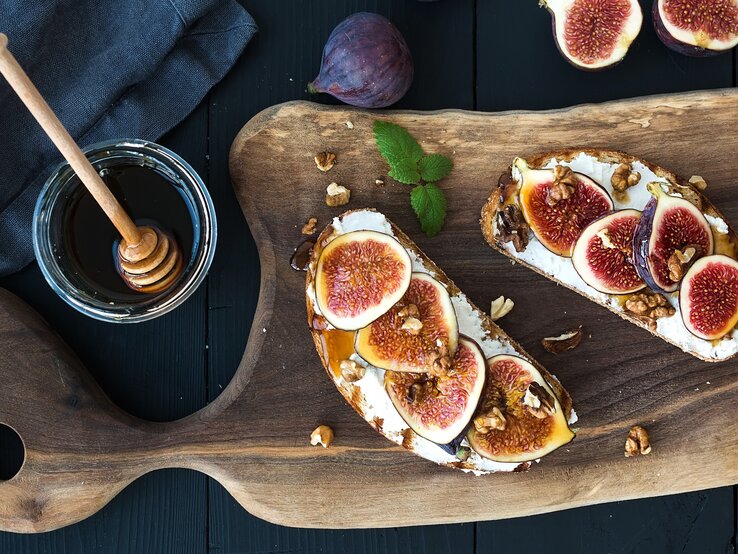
x=109, y=69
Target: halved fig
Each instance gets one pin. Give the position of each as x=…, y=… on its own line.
x=360, y=275
x=415, y=333
x=559, y=203
x=708, y=297
x=697, y=27
x=594, y=34
x=439, y=408
x=521, y=418
x=603, y=254
x=669, y=223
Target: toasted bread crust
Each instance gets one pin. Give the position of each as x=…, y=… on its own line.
x=491, y=329
x=610, y=156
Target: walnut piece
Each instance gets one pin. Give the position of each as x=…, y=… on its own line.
x=325, y=161
x=512, y=227
x=500, y=307
x=565, y=341
x=351, y=371
x=322, y=435
x=680, y=261
x=698, y=182
x=350, y=125
x=442, y=361
x=412, y=325
x=337, y=195
x=379, y=182
x=495, y=420
x=637, y=442
x=309, y=227
x=563, y=185
x=624, y=177
x=648, y=307
x=538, y=402
x=604, y=236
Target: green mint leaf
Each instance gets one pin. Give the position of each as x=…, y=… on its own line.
x=434, y=167
x=395, y=143
x=405, y=170
x=429, y=204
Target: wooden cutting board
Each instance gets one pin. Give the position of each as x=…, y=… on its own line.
x=81, y=450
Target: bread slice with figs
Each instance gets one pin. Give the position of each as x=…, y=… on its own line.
x=632, y=236
x=418, y=361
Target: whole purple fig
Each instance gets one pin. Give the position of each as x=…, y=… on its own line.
x=366, y=62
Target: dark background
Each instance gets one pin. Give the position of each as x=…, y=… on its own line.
x=478, y=55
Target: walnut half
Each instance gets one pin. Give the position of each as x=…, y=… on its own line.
x=624, y=177
x=563, y=186
x=648, y=307
x=637, y=442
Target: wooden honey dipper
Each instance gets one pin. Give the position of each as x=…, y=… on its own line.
x=148, y=259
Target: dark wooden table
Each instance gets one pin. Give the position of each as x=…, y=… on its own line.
x=474, y=54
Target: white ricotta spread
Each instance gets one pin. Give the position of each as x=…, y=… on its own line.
x=374, y=401
x=563, y=270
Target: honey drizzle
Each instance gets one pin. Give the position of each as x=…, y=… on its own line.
x=338, y=346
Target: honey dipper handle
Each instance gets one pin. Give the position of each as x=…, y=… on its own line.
x=38, y=107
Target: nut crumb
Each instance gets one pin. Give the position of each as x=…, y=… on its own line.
x=648, y=307
x=637, y=442
x=565, y=341
x=495, y=420
x=500, y=307
x=337, y=195
x=538, y=402
x=349, y=125
x=680, y=261
x=411, y=310
x=351, y=371
x=379, y=182
x=325, y=161
x=322, y=435
x=309, y=227
x=604, y=236
x=624, y=177
x=698, y=182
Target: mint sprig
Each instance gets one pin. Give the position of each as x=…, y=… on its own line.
x=411, y=166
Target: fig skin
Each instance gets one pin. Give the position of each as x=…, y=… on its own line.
x=366, y=62
x=385, y=345
x=630, y=28
x=525, y=437
x=666, y=33
x=535, y=210
x=366, y=260
x=717, y=276
x=621, y=255
x=463, y=383
x=647, y=262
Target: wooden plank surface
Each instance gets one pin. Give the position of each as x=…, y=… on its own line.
x=261, y=79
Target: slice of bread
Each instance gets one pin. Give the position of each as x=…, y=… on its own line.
x=368, y=396
x=599, y=165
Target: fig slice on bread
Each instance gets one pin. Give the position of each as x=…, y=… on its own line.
x=417, y=372
x=671, y=222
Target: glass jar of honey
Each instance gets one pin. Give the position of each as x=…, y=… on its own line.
x=75, y=243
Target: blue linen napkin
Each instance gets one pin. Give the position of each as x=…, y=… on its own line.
x=109, y=69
